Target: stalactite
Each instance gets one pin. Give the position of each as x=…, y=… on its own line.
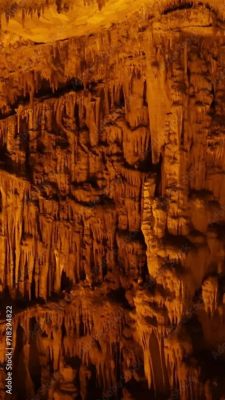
x=103, y=139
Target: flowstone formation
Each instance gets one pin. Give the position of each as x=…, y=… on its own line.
x=112, y=200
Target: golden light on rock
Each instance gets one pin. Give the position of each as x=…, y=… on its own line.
x=112, y=200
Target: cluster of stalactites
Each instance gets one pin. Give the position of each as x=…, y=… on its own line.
x=91, y=332
x=10, y=8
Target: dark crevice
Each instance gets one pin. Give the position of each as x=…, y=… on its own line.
x=187, y=5
x=158, y=170
x=66, y=283
x=182, y=133
x=73, y=84
x=145, y=101
x=177, y=7
x=121, y=100
x=45, y=92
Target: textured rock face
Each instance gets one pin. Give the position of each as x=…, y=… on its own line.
x=112, y=204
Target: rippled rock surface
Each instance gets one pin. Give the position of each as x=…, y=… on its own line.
x=112, y=199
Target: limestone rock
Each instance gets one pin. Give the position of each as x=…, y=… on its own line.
x=112, y=199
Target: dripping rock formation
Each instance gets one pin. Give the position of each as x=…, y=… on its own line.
x=112, y=198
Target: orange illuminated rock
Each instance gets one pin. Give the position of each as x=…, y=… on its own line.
x=112, y=199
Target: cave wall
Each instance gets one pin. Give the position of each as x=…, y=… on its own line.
x=112, y=189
